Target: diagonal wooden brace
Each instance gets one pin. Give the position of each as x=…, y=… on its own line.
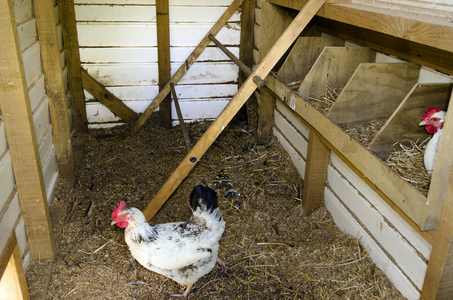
x=262, y=70
x=185, y=66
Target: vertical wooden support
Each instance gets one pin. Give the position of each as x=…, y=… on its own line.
x=50, y=53
x=244, y=92
x=186, y=65
x=274, y=23
x=21, y=137
x=439, y=275
x=163, y=55
x=13, y=285
x=246, y=48
x=185, y=134
x=315, y=174
x=72, y=54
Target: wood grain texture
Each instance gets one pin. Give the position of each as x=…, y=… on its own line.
x=334, y=67
x=107, y=98
x=20, y=132
x=262, y=70
x=303, y=55
x=374, y=91
x=315, y=174
x=163, y=54
x=55, y=88
x=72, y=55
x=186, y=65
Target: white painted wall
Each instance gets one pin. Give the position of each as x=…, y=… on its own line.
x=118, y=47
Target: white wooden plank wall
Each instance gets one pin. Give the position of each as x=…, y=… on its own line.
x=10, y=213
x=118, y=47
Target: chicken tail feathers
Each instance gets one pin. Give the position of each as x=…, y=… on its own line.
x=203, y=197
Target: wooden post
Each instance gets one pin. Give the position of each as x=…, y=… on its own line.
x=315, y=174
x=13, y=284
x=186, y=65
x=72, y=55
x=21, y=137
x=50, y=56
x=163, y=56
x=180, y=118
x=276, y=52
x=246, y=49
x=274, y=23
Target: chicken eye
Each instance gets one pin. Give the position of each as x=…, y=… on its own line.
x=435, y=119
x=123, y=215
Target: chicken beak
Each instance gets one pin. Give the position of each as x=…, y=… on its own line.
x=422, y=123
x=114, y=222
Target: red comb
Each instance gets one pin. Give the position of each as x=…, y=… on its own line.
x=118, y=209
x=430, y=111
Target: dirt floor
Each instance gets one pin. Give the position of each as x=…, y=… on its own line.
x=272, y=249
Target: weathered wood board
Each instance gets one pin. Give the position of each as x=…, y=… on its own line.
x=334, y=67
x=374, y=91
x=303, y=55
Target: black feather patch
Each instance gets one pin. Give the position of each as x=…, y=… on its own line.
x=203, y=197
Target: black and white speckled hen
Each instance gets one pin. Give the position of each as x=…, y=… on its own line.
x=183, y=251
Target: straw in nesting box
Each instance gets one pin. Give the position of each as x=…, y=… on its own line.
x=408, y=164
x=324, y=102
x=364, y=132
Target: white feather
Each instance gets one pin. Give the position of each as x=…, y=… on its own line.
x=431, y=151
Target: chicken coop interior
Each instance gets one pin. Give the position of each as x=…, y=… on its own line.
x=310, y=119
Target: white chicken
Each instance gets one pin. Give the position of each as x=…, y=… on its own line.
x=433, y=120
x=183, y=251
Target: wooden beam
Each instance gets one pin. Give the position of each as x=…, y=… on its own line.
x=185, y=134
x=422, y=29
x=13, y=284
x=21, y=137
x=431, y=57
x=315, y=174
x=186, y=65
x=262, y=70
x=72, y=55
x=55, y=89
x=163, y=55
x=438, y=282
x=107, y=98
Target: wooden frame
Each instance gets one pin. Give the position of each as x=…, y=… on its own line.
x=249, y=86
x=21, y=137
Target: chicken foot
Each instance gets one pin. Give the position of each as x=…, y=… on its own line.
x=185, y=294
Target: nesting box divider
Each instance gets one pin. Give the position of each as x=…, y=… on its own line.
x=303, y=55
x=403, y=124
x=334, y=67
x=374, y=91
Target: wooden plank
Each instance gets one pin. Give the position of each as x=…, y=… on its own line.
x=422, y=29
x=374, y=172
x=276, y=52
x=303, y=55
x=163, y=54
x=315, y=174
x=403, y=123
x=185, y=134
x=107, y=98
x=439, y=276
x=334, y=67
x=440, y=182
x=11, y=270
x=374, y=91
x=186, y=65
x=17, y=115
x=71, y=51
x=55, y=87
